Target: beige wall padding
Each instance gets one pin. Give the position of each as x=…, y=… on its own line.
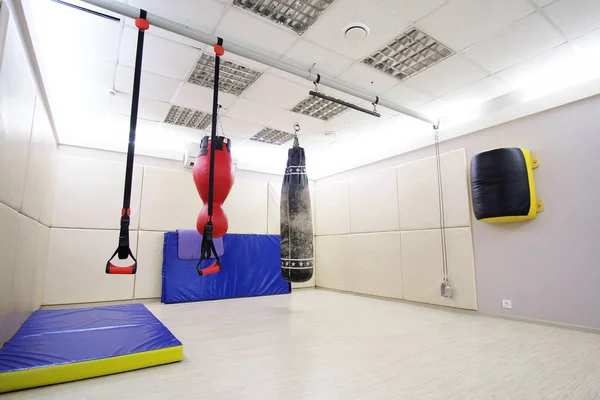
x=333, y=209
x=246, y=207
x=375, y=264
x=76, y=261
x=148, y=279
x=401, y=256
x=422, y=267
x=169, y=200
x=89, y=194
x=374, y=202
x=333, y=259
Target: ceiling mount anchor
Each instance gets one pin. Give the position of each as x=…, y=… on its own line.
x=375, y=104
x=316, y=82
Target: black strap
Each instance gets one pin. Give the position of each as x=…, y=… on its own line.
x=123, y=250
x=207, y=237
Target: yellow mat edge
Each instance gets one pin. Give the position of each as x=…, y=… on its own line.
x=36, y=377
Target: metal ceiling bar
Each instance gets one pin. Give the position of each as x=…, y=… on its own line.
x=194, y=34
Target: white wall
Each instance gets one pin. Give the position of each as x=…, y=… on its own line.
x=86, y=213
x=378, y=232
x=27, y=169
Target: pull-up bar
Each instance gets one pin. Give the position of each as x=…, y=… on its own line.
x=194, y=34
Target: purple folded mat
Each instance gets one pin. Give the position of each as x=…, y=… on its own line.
x=189, y=243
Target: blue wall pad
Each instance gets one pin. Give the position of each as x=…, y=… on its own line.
x=56, y=346
x=251, y=266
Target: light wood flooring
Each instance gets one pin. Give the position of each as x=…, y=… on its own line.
x=317, y=344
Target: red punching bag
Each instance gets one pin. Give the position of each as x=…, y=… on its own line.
x=223, y=181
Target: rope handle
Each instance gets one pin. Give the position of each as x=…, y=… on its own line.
x=207, y=249
x=113, y=269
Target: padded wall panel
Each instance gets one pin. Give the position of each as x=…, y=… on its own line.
x=246, y=207
x=333, y=262
x=374, y=202
x=418, y=197
x=375, y=264
x=39, y=279
x=9, y=230
x=332, y=212
x=26, y=259
x=422, y=267
x=148, y=279
x=89, y=193
x=76, y=263
x=41, y=165
x=17, y=99
x=169, y=200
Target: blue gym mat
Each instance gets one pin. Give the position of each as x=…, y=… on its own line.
x=251, y=266
x=55, y=346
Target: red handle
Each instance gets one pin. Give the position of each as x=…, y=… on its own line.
x=116, y=270
x=210, y=270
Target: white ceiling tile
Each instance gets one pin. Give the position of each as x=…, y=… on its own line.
x=228, y=56
x=364, y=77
x=575, y=17
x=304, y=54
x=120, y=103
x=350, y=121
x=478, y=92
x=461, y=23
x=161, y=56
x=543, y=3
x=588, y=44
x=254, y=32
x=434, y=108
x=406, y=96
x=545, y=63
x=198, y=14
x=293, y=78
x=328, y=31
x=275, y=91
x=201, y=98
x=251, y=111
x=413, y=10
x=522, y=40
x=240, y=129
x=285, y=120
x=446, y=76
x=154, y=87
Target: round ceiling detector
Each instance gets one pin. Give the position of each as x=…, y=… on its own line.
x=356, y=32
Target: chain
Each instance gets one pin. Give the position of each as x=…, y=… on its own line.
x=436, y=136
x=296, y=130
x=219, y=123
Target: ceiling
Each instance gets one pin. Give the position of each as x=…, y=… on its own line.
x=500, y=46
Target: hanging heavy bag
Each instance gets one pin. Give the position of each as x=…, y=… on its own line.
x=297, y=256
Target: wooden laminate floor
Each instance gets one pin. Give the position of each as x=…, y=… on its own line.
x=316, y=344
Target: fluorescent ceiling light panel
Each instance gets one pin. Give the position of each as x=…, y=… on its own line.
x=297, y=15
x=409, y=54
x=319, y=108
x=190, y=118
x=233, y=78
x=272, y=136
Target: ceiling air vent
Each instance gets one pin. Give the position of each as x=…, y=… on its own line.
x=272, y=136
x=409, y=54
x=319, y=108
x=233, y=78
x=188, y=117
x=297, y=15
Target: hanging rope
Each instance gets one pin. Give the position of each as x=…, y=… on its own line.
x=446, y=288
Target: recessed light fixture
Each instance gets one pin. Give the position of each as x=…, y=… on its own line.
x=409, y=54
x=272, y=136
x=233, y=78
x=355, y=32
x=190, y=118
x=319, y=108
x=297, y=15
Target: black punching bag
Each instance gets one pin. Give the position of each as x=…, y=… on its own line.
x=297, y=258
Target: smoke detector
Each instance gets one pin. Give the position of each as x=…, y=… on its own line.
x=355, y=32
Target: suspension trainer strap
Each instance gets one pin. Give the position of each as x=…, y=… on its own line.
x=208, y=246
x=123, y=250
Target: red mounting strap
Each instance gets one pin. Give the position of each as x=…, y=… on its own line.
x=219, y=50
x=142, y=24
